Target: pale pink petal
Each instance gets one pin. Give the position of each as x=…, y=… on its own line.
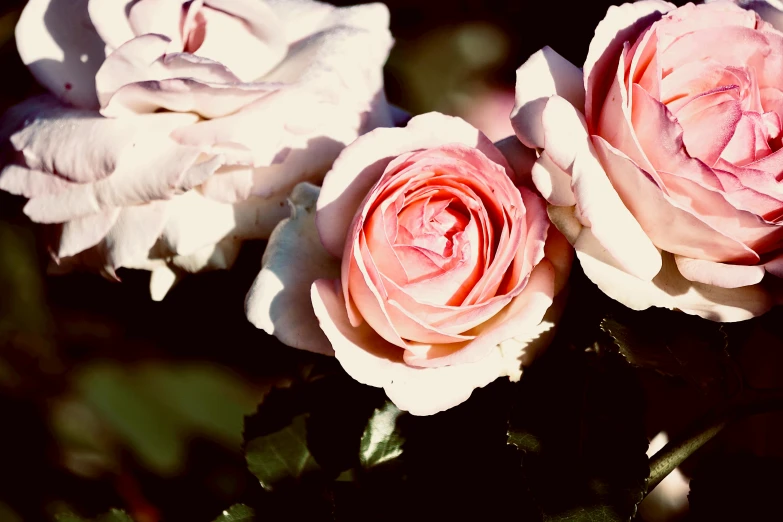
x=775, y=265
x=156, y=169
x=718, y=274
x=135, y=232
x=184, y=95
x=614, y=123
x=560, y=253
x=372, y=361
x=142, y=77
x=22, y=181
x=520, y=158
x=244, y=35
x=62, y=59
x=708, y=122
x=82, y=233
x=566, y=221
x=362, y=163
x=159, y=17
x=522, y=313
x=622, y=24
x=78, y=145
x=598, y=203
x=195, y=222
x=544, y=74
x=552, y=182
x=110, y=18
x=668, y=289
x=671, y=226
x=279, y=300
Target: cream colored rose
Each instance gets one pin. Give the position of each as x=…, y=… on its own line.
x=178, y=129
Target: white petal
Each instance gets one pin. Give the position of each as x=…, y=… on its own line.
x=719, y=274
x=669, y=289
x=598, y=204
x=59, y=44
x=544, y=74
x=279, y=300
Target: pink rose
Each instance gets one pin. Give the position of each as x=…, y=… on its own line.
x=428, y=263
x=661, y=161
x=181, y=127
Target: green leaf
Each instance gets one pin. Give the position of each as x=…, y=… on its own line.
x=281, y=456
x=675, y=344
x=312, y=430
x=114, y=515
x=237, y=513
x=577, y=426
x=381, y=442
x=157, y=409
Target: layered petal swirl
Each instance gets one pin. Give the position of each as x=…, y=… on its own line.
x=175, y=129
x=429, y=262
x=661, y=159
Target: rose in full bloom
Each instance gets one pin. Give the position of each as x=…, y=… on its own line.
x=175, y=130
x=426, y=259
x=661, y=160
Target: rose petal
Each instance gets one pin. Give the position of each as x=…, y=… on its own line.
x=111, y=21
x=82, y=146
x=155, y=169
x=520, y=158
x=552, y=182
x=242, y=24
x=421, y=391
x=671, y=226
x=362, y=163
x=522, y=313
x=82, y=233
x=135, y=232
x=159, y=17
x=622, y=24
x=599, y=205
x=544, y=74
x=21, y=181
x=279, y=300
x=566, y=221
x=62, y=59
x=669, y=289
x=195, y=222
x=718, y=274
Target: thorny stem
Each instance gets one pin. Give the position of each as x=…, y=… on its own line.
x=750, y=402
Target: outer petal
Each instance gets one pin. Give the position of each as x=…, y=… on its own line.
x=279, y=300
x=85, y=232
x=195, y=222
x=672, y=227
x=135, y=232
x=78, y=145
x=422, y=391
x=669, y=289
x=552, y=182
x=523, y=312
x=244, y=35
x=544, y=74
x=598, y=204
x=111, y=21
x=622, y=24
x=770, y=10
x=156, y=169
x=719, y=274
x=362, y=163
x=520, y=158
x=59, y=44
